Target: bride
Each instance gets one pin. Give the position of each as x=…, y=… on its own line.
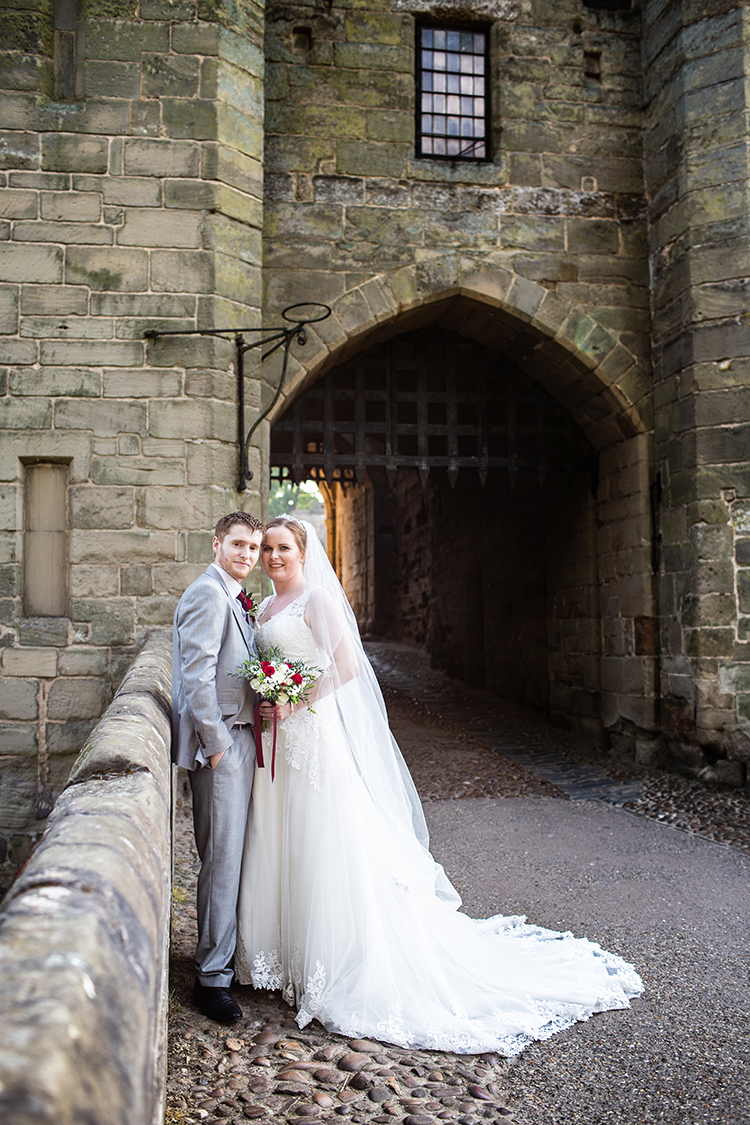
x=341, y=906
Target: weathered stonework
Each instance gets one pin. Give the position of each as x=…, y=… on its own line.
x=216, y=163
x=84, y=932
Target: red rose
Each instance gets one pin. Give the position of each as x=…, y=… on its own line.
x=268, y=669
x=296, y=678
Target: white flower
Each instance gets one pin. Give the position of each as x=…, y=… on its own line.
x=282, y=697
x=255, y=684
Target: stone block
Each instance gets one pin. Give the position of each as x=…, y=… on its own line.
x=162, y=158
x=54, y=327
x=212, y=384
x=8, y=309
x=136, y=581
x=15, y=738
x=168, y=10
x=201, y=120
x=11, y=585
x=199, y=548
x=65, y=206
x=77, y=698
x=373, y=56
x=21, y=414
x=19, y=151
x=705, y=642
x=709, y=609
x=29, y=263
x=93, y=581
x=182, y=271
x=51, y=631
x=112, y=79
x=18, y=698
x=170, y=75
x=743, y=590
x=55, y=381
x=473, y=229
x=111, y=621
x=518, y=232
x=53, y=300
x=146, y=227
x=174, y=578
x=67, y=152
x=208, y=419
x=100, y=416
x=191, y=508
x=110, y=269
x=19, y=204
x=111, y=470
x=128, y=445
x=593, y=236
x=93, y=507
x=40, y=662
x=137, y=546
x=211, y=463
x=125, y=40
x=369, y=158
x=83, y=661
x=155, y=611
x=195, y=39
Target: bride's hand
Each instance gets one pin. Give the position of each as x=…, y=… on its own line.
x=283, y=711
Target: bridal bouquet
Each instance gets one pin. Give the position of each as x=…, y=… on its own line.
x=278, y=680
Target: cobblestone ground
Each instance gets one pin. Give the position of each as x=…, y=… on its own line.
x=266, y=1069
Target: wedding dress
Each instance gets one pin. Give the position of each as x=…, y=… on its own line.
x=343, y=909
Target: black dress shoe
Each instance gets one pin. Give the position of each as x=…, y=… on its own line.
x=217, y=1003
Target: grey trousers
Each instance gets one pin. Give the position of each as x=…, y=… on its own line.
x=221, y=800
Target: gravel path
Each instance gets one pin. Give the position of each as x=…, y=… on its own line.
x=491, y=820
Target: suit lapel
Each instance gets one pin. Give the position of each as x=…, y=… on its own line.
x=241, y=619
x=237, y=610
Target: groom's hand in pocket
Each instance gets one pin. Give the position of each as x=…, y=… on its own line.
x=216, y=758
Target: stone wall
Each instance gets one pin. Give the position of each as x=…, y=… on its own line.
x=134, y=205
x=696, y=162
x=84, y=931
x=540, y=253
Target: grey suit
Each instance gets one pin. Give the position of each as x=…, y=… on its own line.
x=211, y=639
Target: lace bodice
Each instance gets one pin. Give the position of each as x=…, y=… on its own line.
x=300, y=735
x=289, y=632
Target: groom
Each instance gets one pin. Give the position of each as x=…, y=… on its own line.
x=212, y=737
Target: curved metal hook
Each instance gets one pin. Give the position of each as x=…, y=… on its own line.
x=299, y=332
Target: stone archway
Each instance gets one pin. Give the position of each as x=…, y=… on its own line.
x=583, y=364
x=607, y=678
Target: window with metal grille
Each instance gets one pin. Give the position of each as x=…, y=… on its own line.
x=453, y=104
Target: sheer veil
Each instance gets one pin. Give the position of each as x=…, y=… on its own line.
x=348, y=675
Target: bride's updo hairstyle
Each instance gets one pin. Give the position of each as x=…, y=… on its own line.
x=297, y=529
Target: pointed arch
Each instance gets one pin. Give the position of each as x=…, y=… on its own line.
x=578, y=360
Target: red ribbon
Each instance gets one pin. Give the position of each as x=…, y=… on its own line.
x=258, y=724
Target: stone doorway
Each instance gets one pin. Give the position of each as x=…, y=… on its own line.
x=461, y=514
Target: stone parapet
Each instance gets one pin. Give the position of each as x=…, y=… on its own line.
x=84, y=931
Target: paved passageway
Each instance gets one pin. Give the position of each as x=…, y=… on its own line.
x=510, y=806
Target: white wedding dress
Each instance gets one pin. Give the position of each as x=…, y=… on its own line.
x=344, y=910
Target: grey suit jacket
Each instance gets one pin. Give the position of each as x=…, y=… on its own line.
x=211, y=639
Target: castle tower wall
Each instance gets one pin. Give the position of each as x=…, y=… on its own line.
x=696, y=138
x=131, y=160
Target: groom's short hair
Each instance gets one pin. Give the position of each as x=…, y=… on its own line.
x=245, y=518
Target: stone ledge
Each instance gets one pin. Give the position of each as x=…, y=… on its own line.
x=84, y=931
